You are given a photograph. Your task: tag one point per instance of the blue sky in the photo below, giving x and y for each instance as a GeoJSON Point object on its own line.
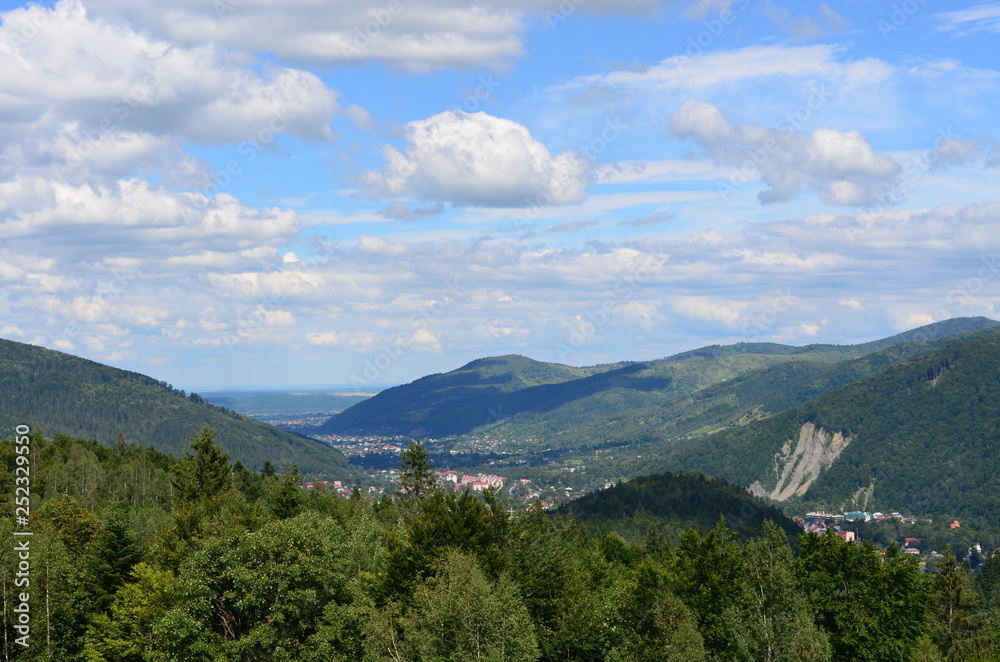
{"type": "Point", "coordinates": [303, 192]}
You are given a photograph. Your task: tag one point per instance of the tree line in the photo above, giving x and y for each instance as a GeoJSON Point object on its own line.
{"type": "Point", "coordinates": [139, 556]}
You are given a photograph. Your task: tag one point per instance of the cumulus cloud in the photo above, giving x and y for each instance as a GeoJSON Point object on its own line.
{"type": "Point", "coordinates": [478, 159]}
{"type": "Point", "coordinates": [706, 308]}
{"type": "Point", "coordinates": [324, 338]}
{"type": "Point", "coordinates": [774, 280]}
{"type": "Point", "coordinates": [134, 214]}
{"type": "Point", "coordinates": [840, 166]}
{"type": "Point", "coordinates": [87, 96]}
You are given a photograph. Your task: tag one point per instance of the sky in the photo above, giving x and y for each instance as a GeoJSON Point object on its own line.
{"type": "Point", "coordinates": [304, 192]}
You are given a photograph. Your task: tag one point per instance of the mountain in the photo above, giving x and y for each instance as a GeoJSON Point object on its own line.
{"type": "Point", "coordinates": [750, 396]}
{"type": "Point", "coordinates": [544, 404]}
{"type": "Point", "coordinates": [456, 402]}
{"type": "Point", "coordinates": [922, 437]}
{"type": "Point", "coordinates": [676, 502]}
{"type": "Point", "coordinates": [61, 393]}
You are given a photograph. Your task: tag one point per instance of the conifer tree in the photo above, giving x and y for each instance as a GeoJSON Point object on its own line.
{"type": "Point", "coordinates": [953, 617]}
{"type": "Point", "coordinates": [204, 474]}
{"type": "Point", "coordinates": [416, 473]}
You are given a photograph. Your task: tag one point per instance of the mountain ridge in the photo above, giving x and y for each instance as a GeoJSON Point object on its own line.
{"type": "Point", "coordinates": [516, 396]}
{"type": "Point", "coordinates": [105, 401]}
{"type": "Point", "coordinates": [923, 435]}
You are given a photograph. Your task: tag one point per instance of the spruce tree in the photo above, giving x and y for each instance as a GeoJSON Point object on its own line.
{"type": "Point", "coordinates": [205, 474]}
{"type": "Point", "coordinates": [954, 620]}
{"type": "Point", "coordinates": [416, 473]}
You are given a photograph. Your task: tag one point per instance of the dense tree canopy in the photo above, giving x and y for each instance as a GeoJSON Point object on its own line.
{"type": "Point", "coordinates": [142, 566]}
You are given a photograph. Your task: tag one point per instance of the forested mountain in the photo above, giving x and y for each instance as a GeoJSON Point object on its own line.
{"type": "Point", "coordinates": [922, 436]}
{"type": "Point", "coordinates": [675, 502]}
{"type": "Point", "coordinates": [61, 393]}
{"type": "Point", "coordinates": [456, 402]}
{"type": "Point", "coordinates": [753, 395]}
{"type": "Point", "coordinates": [692, 392]}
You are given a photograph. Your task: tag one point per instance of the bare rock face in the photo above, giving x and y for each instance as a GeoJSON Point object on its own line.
{"type": "Point", "coordinates": [756, 489]}
{"type": "Point", "coordinates": [796, 469]}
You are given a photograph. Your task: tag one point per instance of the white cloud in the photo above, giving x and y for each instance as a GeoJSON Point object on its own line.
{"type": "Point", "coordinates": [426, 338]}
{"type": "Point", "coordinates": [415, 35]}
{"type": "Point", "coordinates": [133, 211]}
{"type": "Point", "coordinates": [325, 338]}
{"type": "Point", "coordinates": [89, 99]}
{"type": "Point", "coordinates": [840, 166]}
{"type": "Point", "coordinates": [810, 329]}
{"type": "Point", "coordinates": [275, 317]}
{"type": "Point", "coordinates": [478, 159]}
{"type": "Point", "coordinates": [981, 18]}
{"type": "Point", "coordinates": [706, 308]}
{"type": "Point", "coordinates": [705, 69]}
{"type": "Point", "coordinates": [624, 172]}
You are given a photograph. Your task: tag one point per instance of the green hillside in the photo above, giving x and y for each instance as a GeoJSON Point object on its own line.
{"type": "Point", "coordinates": [922, 436]}
{"type": "Point", "coordinates": [456, 402]}
{"type": "Point", "coordinates": [549, 405]}
{"type": "Point", "coordinates": [61, 393]}
{"type": "Point", "coordinates": [750, 396]}
{"type": "Point", "coordinates": [675, 502]}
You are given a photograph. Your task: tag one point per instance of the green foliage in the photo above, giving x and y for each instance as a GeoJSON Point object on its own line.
{"type": "Point", "coordinates": [656, 625]}
{"type": "Point", "coordinates": [126, 633]}
{"type": "Point", "coordinates": [925, 432]}
{"type": "Point", "coordinates": [416, 473]}
{"type": "Point", "coordinates": [955, 624]}
{"type": "Point", "coordinates": [706, 573]}
{"type": "Point", "coordinates": [451, 577]}
{"type": "Point", "coordinates": [771, 621]}
{"type": "Point", "coordinates": [561, 406]}
{"type": "Point", "coordinates": [869, 601]}
{"type": "Point", "coordinates": [203, 475]}
{"type": "Point", "coordinates": [286, 499]}
{"type": "Point", "coordinates": [261, 595]}
{"type": "Point", "coordinates": [676, 502]}
{"type": "Point", "coordinates": [988, 582]}
{"type": "Point", "coordinates": [459, 615]}
{"type": "Point", "coordinates": [107, 403]}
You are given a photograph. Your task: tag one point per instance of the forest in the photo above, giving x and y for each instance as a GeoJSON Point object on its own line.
{"type": "Point", "coordinates": [137, 555]}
